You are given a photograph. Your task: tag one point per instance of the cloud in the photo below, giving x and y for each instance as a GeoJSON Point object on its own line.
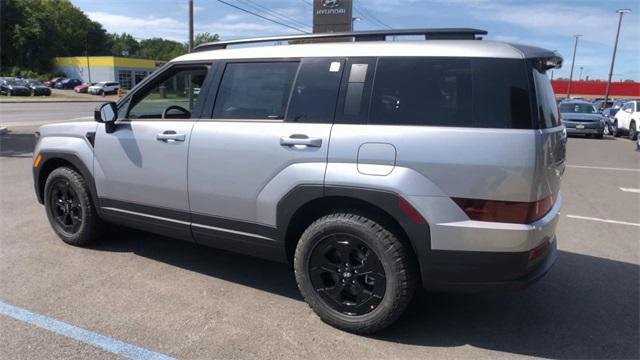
{"type": "Point", "coordinates": [229, 26]}
{"type": "Point", "coordinates": [142, 27]}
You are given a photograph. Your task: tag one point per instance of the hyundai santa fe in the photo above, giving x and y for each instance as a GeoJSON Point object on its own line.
{"type": "Point", "coordinates": [373, 167]}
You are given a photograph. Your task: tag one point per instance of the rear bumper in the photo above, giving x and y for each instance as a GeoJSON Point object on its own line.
{"type": "Point", "coordinates": [493, 271]}
{"type": "Point", "coordinates": [574, 131]}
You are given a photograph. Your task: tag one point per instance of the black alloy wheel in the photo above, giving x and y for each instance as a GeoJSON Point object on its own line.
{"type": "Point", "coordinates": [347, 274]}
{"type": "Point", "coordinates": [633, 131]}
{"type": "Point", "coordinates": [65, 207]}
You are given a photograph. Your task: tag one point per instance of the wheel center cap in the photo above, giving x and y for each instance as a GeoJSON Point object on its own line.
{"type": "Point", "coordinates": [346, 274]}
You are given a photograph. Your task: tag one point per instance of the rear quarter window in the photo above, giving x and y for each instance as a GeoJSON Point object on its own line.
{"type": "Point", "coordinates": [463, 92]}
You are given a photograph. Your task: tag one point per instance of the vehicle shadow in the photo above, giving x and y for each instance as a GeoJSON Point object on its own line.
{"type": "Point", "coordinates": [17, 144]}
{"type": "Point", "coordinates": [586, 307]}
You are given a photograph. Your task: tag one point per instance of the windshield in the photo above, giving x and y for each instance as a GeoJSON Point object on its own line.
{"type": "Point", "coordinates": [577, 108]}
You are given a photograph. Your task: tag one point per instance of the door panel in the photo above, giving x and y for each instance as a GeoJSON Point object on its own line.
{"type": "Point", "coordinates": [230, 163]}
{"type": "Point", "coordinates": [140, 168]}
{"type": "Point", "coordinates": [143, 162]}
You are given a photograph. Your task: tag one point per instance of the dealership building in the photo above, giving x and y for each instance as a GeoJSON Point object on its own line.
{"type": "Point", "coordinates": [90, 69]}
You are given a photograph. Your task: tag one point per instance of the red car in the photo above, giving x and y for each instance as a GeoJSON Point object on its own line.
{"type": "Point", "coordinates": [51, 83]}
{"type": "Point", "coordinates": [82, 88]}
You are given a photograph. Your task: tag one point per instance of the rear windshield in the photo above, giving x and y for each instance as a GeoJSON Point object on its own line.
{"type": "Point", "coordinates": [464, 92]}
{"type": "Point", "coordinates": [577, 108]}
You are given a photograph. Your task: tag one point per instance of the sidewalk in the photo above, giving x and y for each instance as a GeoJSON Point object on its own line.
{"type": "Point", "coordinates": [58, 96]}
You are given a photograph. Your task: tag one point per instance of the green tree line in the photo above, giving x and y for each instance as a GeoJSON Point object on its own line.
{"type": "Point", "coordinates": [33, 32]}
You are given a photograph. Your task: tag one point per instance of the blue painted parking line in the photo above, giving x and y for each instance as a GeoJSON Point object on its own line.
{"type": "Point", "coordinates": [89, 337]}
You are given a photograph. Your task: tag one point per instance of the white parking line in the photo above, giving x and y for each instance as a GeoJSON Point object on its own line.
{"type": "Point", "coordinates": [637, 191]}
{"type": "Point", "coordinates": [603, 220]}
{"type": "Point", "coordinates": [602, 168]}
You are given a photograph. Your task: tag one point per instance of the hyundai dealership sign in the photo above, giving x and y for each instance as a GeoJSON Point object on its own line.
{"type": "Point", "coordinates": [332, 15]}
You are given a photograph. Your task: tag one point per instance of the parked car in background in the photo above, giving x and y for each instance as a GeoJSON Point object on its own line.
{"type": "Point", "coordinates": [51, 83]}
{"type": "Point", "coordinates": [600, 105]}
{"type": "Point", "coordinates": [37, 88]}
{"type": "Point", "coordinates": [104, 87]}
{"type": "Point", "coordinates": [627, 119]}
{"type": "Point", "coordinates": [13, 87]}
{"type": "Point", "coordinates": [581, 118]}
{"type": "Point", "coordinates": [83, 88]}
{"type": "Point", "coordinates": [68, 83]}
{"type": "Point", "coordinates": [609, 114]}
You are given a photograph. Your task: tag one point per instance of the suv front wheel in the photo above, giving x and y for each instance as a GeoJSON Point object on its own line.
{"type": "Point", "coordinates": [70, 209]}
{"type": "Point", "coordinates": [355, 274]}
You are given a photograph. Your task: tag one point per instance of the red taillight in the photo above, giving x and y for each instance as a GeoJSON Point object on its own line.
{"type": "Point", "coordinates": [505, 211]}
{"type": "Point", "coordinates": [410, 211]}
{"type": "Point", "coordinates": [538, 250]}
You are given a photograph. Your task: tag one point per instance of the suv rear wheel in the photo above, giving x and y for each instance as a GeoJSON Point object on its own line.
{"type": "Point", "coordinates": [355, 274]}
{"type": "Point", "coordinates": [70, 209]}
{"type": "Point", "coordinates": [614, 131]}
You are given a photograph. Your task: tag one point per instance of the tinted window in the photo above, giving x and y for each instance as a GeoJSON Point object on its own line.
{"type": "Point", "coordinates": [487, 93]}
{"type": "Point", "coordinates": [547, 106]}
{"type": "Point", "coordinates": [255, 90]}
{"type": "Point", "coordinates": [316, 90]}
{"type": "Point", "coordinates": [353, 102]}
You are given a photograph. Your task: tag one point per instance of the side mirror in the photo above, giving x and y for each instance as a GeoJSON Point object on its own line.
{"type": "Point", "coordinates": [107, 113]}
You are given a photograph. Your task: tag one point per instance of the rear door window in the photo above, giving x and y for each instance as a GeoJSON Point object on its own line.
{"type": "Point", "coordinates": [464, 92]}
{"type": "Point", "coordinates": [315, 92]}
{"type": "Point", "coordinates": [257, 90]}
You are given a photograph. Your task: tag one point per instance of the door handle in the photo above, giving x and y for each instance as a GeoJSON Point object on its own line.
{"type": "Point", "coordinates": [302, 140]}
{"type": "Point", "coordinates": [170, 136]}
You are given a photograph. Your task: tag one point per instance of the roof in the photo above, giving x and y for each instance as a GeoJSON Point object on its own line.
{"type": "Point", "coordinates": [442, 48]}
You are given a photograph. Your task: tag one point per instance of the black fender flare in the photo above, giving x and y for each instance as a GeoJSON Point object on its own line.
{"type": "Point", "coordinates": [75, 161]}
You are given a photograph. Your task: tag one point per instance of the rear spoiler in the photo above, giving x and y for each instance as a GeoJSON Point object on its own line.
{"type": "Point", "coordinates": [549, 62]}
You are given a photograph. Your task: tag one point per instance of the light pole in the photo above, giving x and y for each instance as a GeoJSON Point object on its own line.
{"type": "Point", "coordinates": [190, 25]}
{"type": "Point", "coordinates": [575, 47]}
{"type": "Point", "coordinates": [613, 57]}
{"type": "Point", "coordinates": [580, 76]}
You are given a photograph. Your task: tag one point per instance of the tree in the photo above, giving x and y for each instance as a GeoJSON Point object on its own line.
{"type": "Point", "coordinates": [160, 49]}
{"type": "Point", "coordinates": [36, 31]}
{"type": "Point", "coordinates": [124, 45]}
{"type": "Point", "coordinates": [202, 38]}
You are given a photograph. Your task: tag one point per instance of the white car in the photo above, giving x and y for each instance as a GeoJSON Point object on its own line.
{"type": "Point", "coordinates": [627, 120]}
{"type": "Point", "coordinates": [104, 87]}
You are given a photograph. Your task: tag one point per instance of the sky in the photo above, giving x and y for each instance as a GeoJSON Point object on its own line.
{"type": "Point", "coordinates": [546, 23]}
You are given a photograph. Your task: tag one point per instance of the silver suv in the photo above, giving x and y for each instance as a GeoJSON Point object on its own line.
{"type": "Point", "coordinates": [374, 167]}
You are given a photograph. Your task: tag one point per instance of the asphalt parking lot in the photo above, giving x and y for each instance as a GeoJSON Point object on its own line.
{"type": "Point", "coordinates": [187, 301]}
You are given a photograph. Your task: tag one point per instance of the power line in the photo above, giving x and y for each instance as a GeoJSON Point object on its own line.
{"type": "Point", "coordinates": [273, 13]}
{"type": "Point", "coordinates": [262, 17]}
{"type": "Point", "coordinates": [369, 14]}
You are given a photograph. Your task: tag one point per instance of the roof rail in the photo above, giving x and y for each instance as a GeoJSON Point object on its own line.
{"type": "Point", "coordinates": [374, 35]}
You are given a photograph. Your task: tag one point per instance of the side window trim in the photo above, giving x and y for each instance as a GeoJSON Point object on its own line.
{"type": "Point", "coordinates": [217, 83]}
{"type": "Point", "coordinates": [367, 89]}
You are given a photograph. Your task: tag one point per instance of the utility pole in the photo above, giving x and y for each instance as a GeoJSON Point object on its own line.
{"type": "Point", "coordinates": [190, 25]}
{"type": "Point", "coordinates": [86, 52]}
{"type": "Point", "coordinates": [580, 76]}
{"type": "Point", "coordinates": [613, 57]}
{"type": "Point", "coordinates": [575, 47]}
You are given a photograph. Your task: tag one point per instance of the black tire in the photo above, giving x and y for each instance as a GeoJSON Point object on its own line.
{"type": "Point", "coordinates": [615, 132]}
{"type": "Point", "coordinates": [72, 216]}
{"type": "Point", "coordinates": [599, 136]}
{"type": "Point", "coordinates": [384, 296]}
{"type": "Point", "coordinates": [633, 131]}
